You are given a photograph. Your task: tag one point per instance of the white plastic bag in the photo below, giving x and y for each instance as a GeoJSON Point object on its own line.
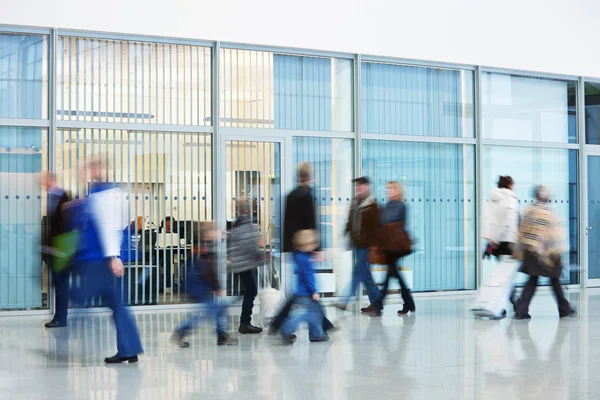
{"type": "Point", "coordinates": [271, 301]}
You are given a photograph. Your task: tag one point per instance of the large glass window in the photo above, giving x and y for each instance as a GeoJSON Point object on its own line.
{"type": "Point", "coordinates": [23, 76]}
{"type": "Point", "coordinates": [167, 181]}
{"type": "Point", "coordinates": [528, 108]}
{"type": "Point", "coordinates": [332, 164]}
{"type": "Point", "coordinates": [439, 191]}
{"type": "Point", "coordinates": [417, 101]}
{"type": "Point", "coordinates": [271, 90]}
{"type": "Point", "coordinates": [592, 113]}
{"type": "Point", "coordinates": [556, 168]}
{"type": "Point", "coordinates": [135, 82]}
{"type": "Point", "coordinates": [22, 157]}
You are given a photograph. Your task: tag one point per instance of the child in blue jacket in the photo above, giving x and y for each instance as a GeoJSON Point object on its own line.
{"type": "Point", "coordinates": [306, 306]}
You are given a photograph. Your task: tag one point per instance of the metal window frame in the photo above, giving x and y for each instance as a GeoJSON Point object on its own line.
{"type": "Point", "coordinates": [220, 133]}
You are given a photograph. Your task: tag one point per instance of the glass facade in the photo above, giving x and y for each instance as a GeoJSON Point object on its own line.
{"type": "Point", "coordinates": [439, 192]}
{"type": "Point", "coordinates": [147, 107]}
{"type": "Point", "coordinates": [528, 108]}
{"type": "Point", "coordinates": [271, 90]}
{"type": "Point", "coordinates": [417, 101]}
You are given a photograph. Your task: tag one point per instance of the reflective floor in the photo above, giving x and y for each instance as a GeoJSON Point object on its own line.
{"type": "Point", "coordinates": [441, 352]}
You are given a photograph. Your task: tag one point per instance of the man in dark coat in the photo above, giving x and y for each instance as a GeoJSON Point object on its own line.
{"type": "Point", "coordinates": [57, 197]}
{"type": "Point", "coordinates": [299, 215]}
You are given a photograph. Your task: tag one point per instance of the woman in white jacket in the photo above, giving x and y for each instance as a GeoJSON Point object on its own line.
{"type": "Point", "coordinates": [501, 219]}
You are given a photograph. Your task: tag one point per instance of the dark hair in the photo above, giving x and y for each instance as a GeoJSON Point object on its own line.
{"type": "Point", "coordinates": [363, 180]}
{"type": "Point", "coordinates": [505, 182]}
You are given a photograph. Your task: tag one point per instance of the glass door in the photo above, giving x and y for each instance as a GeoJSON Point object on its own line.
{"type": "Point", "coordinates": [592, 228]}
{"type": "Point", "coordinates": [252, 174]}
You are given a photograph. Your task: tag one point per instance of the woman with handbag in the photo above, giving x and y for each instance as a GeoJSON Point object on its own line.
{"type": "Point", "coordinates": [395, 242]}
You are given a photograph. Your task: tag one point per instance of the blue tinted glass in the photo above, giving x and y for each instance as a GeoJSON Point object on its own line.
{"type": "Point", "coordinates": [20, 217]}
{"type": "Point", "coordinates": [404, 100]}
{"type": "Point", "coordinates": [23, 76]}
{"type": "Point", "coordinates": [439, 191]}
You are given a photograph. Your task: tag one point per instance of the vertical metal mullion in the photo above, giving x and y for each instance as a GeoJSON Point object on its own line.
{"type": "Point", "coordinates": [114, 76]}
{"type": "Point", "coordinates": [582, 185]}
{"type": "Point", "coordinates": [135, 83]}
{"type": "Point", "coordinates": [92, 79]}
{"type": "Point", "coordinates": [131, 197]}
{"type": "Point", "coordinates": [479, 195]}
{"type": "Point", "coordinates": [357, 116]}
{"type": "Point", "coordinates": [156, 77]}
{"type": "Point", "coordinates": [142, 110]}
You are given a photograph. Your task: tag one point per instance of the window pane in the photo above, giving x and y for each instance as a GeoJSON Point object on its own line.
{"type": "Point", "coordinates": [592, 113]}
{"type": "Point", "coordinates": [526, 108]}
{"type": "Point", "coordinates": [556, 168]}
{"type": "Point", "coordinates": [332, 166]}
{"type": "Point", "coordinates": [136, 82]}
{"type": "Point", "coordinates": [269, 90]}
{"type": "Point", "coordinates": [23, 76]}
{"type": "Point", "coordinates": [405, 100]}
{"type": "Point", "coordinates": [439, 191]}
{"type": "Point", "coordinates": [23, 154]}
{"type": "Point", "coordinates": [167, 181]}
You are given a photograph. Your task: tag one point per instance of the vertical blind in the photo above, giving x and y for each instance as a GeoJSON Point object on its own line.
{"type": "Point", "coordinates": [406, 100]}
{"type": "Point", "coordinates": [133, 82]}
{"type": "Point", "coordinates": [439, 191]}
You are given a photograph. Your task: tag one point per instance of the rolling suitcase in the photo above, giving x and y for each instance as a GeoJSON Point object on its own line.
{"type": "Point", "coordinates": [493, 296]}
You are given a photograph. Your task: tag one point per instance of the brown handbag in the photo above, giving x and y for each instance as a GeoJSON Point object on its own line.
{"type": "Point", "coordinates": [377, 256]}
{"type": "Point", "coordinates": [395, 239]}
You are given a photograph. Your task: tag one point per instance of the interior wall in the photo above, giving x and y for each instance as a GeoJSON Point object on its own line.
{"type": "Point", "coordinates": [538, 35]}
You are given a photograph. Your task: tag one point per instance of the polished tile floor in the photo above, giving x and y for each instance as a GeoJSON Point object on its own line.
{"type": "Point", "coordinates": [441, 352]}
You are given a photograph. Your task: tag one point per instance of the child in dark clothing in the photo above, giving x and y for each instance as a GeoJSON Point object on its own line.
{"type": "Point", "coordinates": [306, 306]}
{"type": "Point", "coordinates": [202, 281]}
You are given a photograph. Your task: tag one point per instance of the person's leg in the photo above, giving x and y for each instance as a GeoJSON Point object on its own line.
{"type": "Point", "coordinates": [364, 271]}
{"type": "Point", "coordinates": [564, 308]}
{"type": "Point", "coordinates": [276, 324]}
{"type": "Point", "coordinates": [314, 318]}
{"type": "Point", "coordinates": [129, 344]}
{"type": "Point", "coordinates": [295, 317]}
{"type": "Point", "coordinates": [354, 282]}
{"type": "Point", "coordinates": [390, 273]}
{"type": "Point", "coordinates": [250, 291]}
{"type": "Point", "coordinates": [61, 292]}
{"type": "Point", "coordinates": [526, 296]}
{"type": "Point", "coordinates": [409, 302]}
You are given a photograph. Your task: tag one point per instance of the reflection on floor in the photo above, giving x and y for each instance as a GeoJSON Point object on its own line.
{"type": "Point", "coordinates": [439, 353]}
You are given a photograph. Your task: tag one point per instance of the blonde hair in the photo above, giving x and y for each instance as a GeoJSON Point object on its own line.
{"type": "Point", "coordinates": [398, 188]}
{"type": "Point", "coordinates": [303, 172]}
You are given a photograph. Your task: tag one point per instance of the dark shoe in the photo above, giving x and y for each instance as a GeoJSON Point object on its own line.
{"type": "Point", "coordinates": [375, 313]}
{"type": "Point", "coordinates": [273, 330]}
{"type": "Point", "coordinates": [502, 316]}
{"type": "Point", "coordinates": [341, 306]}
{"type": "Point", "coordinates": [405, 310]}
{"type": "Point", "coordinates": [369, 309]}
{"type": "Point", "coordinates": [325, 338]}
{"type": "Point", "coordinates": [226, 340]}
{"type": "Point", "coordinates": [248, 328]}
{"type": "Point", "coordinates": [571, 313]}
{"type": "Point", "coordinates": [55, 324]}
{"type": "Point", "coordinates": [177, 338]}
{"type": "Point", "coordinates": [289, 339]}
{"type": "Point", "coordinates": [523, 317]}
{"type": "Point", "coordinates": [117, 359]}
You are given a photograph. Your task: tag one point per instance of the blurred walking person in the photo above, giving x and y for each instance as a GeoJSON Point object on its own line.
{"type": "Point", "coordinates": [97, 261]}
{"type": "Point", "coordinates": [299, 216]}
{"type": "Point", "coordinates": [541, 243]}
{"type": "Point", "coordinates": [362, 227]}
{"type": "Point", "coordinates": [500, 230]}
{"type": "Point", "coordinates": [244, 258]}
{"type": "Point", "coordinates": [57, 198]}
{"type": "Point", "coordinates": [392, 239]}
{"type": "Point", "coordinates": [201, 282]}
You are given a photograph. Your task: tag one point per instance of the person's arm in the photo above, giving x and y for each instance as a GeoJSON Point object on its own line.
{"type": "Point", "coordinates": [510, 217]}
{"type": "Point", "coordinates": [212, 277]}
{"type": "Point", "coordinates": [311, 217]}
{"type": "Point", "coordinates": [108, 221]}
{"type": "Point", "coordinates": [307, 275]}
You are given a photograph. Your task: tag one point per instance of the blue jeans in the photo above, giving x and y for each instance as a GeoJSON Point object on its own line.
{"type": "Point", "coordinates": [304, 309]}
{"type": "Point", "coordinates": [97, 279]}
{"type": "Point", "coordinates": [361, 273]}
{"type": "Point", "coordinates": [202, 293]}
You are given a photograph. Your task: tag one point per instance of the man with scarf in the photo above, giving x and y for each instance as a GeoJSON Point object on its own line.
{"type": "Point", "coordinates": [363, 223]}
